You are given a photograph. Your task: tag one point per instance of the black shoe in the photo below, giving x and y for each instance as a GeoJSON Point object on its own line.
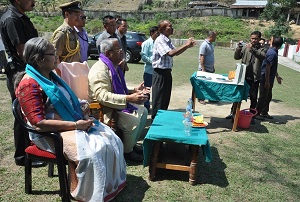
{"type": "Point", "coordinates": [230, 116]}
{"type": "Point", "coordinates": [259, 117]}
{"type": "Point", "coordinates": [252, 121]}
{"type": "Point", "coordinates": [138, 149]}
{"type": "Point", "coordinates": [267, 116]}
{"type": "Point", "coordinates": [133, 156]}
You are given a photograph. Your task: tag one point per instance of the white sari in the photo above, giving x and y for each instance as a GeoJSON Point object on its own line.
{"type": "Point", "coordinates": [96, 161]}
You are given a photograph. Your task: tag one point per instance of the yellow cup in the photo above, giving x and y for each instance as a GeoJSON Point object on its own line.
{"type": "Point", "coordinates": [231, 75]}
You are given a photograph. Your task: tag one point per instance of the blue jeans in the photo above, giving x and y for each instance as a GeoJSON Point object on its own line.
{"type": "Point", "coordinates": [147, 83]}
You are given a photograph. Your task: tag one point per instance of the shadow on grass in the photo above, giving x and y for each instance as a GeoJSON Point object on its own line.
{"type": "Point", "coordinates": [225, 125]}
{"type": "Point", "coordinates": [215, 103]}
{"type": "Point", "coordinates": [134, 190]}
{"type": "Point", "coordinates": [214, 172]}
{"type": "Point", "coordinates": [276, 101]}
{"type": "Point", "coordinates": [281, 119]}
{"type": "Point", "coordinates": [207, 173]}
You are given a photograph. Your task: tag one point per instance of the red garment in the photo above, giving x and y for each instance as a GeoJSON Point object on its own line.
{"type": "Point", "coordinates": [298, 46]}
{"type": "Point", "coordinates": [31, 98]}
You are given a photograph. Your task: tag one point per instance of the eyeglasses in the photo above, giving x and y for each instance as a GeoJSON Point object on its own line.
{"type": "Point", "coordinates": [117, 50]}
{"type": "Point", "coordinates": [83, 17]}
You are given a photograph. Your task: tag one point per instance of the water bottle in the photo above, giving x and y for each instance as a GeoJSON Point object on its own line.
{"type": "Point", "coordinates": [188, 119]}
{"type": "Point", "coordinates": [189, 105]}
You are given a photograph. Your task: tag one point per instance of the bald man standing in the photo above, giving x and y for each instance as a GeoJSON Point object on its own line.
{"type": "Point", "coordinates": [162, 63]}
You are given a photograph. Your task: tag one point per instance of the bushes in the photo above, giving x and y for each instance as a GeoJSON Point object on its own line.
{"type": "Point", "coordinates": [227, 28]}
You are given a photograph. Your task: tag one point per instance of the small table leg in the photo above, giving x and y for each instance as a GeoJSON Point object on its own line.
{"type": "Point", "coordinates": [193, 165]}
{"type": "Point", "coordinates": [236, 117]}
{"type": "Point", "coordinates": [193, 98]}
{"type": "Point", "coordinates": [153, 160]}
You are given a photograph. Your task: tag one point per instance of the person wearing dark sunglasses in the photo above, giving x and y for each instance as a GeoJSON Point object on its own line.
{"type": "Point", "coordinates": [83, 37]}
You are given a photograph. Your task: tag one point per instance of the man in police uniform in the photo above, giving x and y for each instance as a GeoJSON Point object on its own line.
{"type": "Point", "coordinates": [64, 38]}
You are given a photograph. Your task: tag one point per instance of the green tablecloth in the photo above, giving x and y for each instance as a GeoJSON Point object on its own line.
{"type": "Point", "coordinates": [168, 126]}
{"type": "Point", "coordinates": [209, 90]}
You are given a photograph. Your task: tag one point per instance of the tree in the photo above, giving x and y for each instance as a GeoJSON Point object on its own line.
{"type": "Point", "coordinates": [283, 6]}
{"type": "Point", "coordinates": [287, 6]}
{"type": "Point", "coordinates": [279, 12]}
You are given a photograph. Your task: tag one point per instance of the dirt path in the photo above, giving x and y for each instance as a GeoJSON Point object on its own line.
{"type": "Point", "coordinates": [215, 113]}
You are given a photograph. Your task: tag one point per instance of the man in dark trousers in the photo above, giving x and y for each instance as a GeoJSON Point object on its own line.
{"type": "Point", "coordinates": [252, 55]}
{"type": "Point", "coordinates": [268, 73]}
{"type": "Point", "coordinates": [162, 63]}
{"type": "Point", "coordinates": [16, 30]}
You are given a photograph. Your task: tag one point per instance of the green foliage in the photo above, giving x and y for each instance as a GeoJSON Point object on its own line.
{"type": "Point", "coordinates": [157, 3]}
{"type": "Point", "coordinates": [286, 5]}
{"type": "Point", "coordinates": [161, 16]}
{"type": "Point", "coordinates": [94, 26]}
{"type": "Point", "coordinates": [271, 12]}
{"type": "Point", "coordinates": [280, 27]}
{"type": "Point", "coordinates": [160, 4]}
{"type": "Point", "coordinates": [46, 24]}
{"type": "Point", "coordinates": [227, 28]}
{"type": "Point", "coordinates": [277, 10]}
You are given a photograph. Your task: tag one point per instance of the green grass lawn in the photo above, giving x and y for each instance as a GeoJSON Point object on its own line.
{"type": "Point", "coordinates": [247, 166]}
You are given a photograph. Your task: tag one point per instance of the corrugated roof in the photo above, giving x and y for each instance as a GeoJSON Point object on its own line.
{"type": "Point", "coordinates": [250, 3]}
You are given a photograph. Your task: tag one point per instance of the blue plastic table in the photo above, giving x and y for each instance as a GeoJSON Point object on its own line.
{"type": "Point", "coordinates": [168, 127]}
{"type": "Point", "coordinates": [209, 90]}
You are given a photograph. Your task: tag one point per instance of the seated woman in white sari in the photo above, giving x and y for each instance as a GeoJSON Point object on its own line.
{"type": "Point", "coordinates": [94, 151]}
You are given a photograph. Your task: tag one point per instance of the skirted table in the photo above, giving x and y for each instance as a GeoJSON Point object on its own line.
{"type": "Point", "coordinates": [168, 127]}
{"type": "Point", "coordinates": [216, 91]}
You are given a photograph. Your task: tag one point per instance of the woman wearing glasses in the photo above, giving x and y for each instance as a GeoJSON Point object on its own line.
{"type": "Point", "coordinates": [94, 152]}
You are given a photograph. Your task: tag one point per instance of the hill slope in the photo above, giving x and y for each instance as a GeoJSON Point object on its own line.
{"type": "Point", "coordinates": [115, 5]}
